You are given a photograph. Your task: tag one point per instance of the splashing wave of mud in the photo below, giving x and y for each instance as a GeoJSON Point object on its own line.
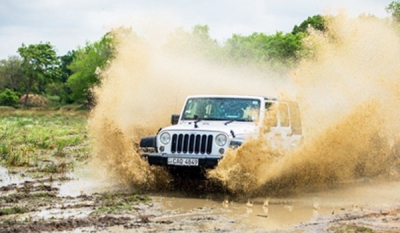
{"type": "Point", "coordinates": [350, 101]}
{"type": "Point", "coordinates": [348, 93]}
{"type": "Point", "coordinates": [140, 90]}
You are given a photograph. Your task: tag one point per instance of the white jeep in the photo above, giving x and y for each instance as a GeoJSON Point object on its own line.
{"type": "Point", "coordinates": [210, 124]}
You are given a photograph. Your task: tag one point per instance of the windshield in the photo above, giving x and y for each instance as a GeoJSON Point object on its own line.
{"type": "Point", "coordinates": [238, 109]}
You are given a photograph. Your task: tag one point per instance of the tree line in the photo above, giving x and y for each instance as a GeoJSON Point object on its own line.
{"type": "Point", "coordinates": [69, 78]}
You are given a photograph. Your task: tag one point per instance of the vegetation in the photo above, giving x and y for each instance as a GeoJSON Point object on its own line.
{"type": "Point", "coordinates": [112, 203]}
{"type": "Point", "coordinates": [8, 97]}
{"type": "Point", "coordinates": [317, 22]}
{"type": "Point", "coordinates": [394, 9]}
{"type": "Point", "coordinates": [278, 51]}
{"type": "Point", "coordinates": [11, 74]}
{"type": "Point", "coordinates": [46, 141]}
{"type": "Point", "coordinates": [40, 66]}
{"type": "Point", "coordinates": [86, 68]}
{"type": "Point", "coordinates": [13, 210]}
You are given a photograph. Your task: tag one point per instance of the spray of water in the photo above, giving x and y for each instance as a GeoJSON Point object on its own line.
{"type": "Point", "coordinates": [347, 92]}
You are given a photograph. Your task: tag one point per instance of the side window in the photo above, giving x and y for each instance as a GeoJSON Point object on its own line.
{"type": "Point", "coordinates": [271, 114]}
{"type": "Point", "coordinates": [284, 115]}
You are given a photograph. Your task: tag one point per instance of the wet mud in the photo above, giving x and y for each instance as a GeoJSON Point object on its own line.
{"type": "Point", "coordinates": [69, 204]}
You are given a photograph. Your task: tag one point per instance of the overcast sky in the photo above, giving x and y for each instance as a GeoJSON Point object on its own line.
{"type": "Point", "coordinates": [67, 24]}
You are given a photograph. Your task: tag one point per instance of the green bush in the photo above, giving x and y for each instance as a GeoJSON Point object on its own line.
{"type": "Point", "coordinates": [9, 97]}
{"type": "Point", "coordinates": [53, 101]}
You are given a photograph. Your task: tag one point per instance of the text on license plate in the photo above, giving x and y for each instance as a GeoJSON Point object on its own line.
{"type": "Point", "coordinates": [183, 162]}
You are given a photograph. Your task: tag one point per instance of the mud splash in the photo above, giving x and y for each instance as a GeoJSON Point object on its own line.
{"type": "Point", "coordinates": [349, 96]}
{"type": "Point", "coordinates": [140, 90]}
{"type": "Point", "coordinates": [347, 90]}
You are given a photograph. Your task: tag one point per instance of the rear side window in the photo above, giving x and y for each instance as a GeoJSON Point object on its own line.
{"type": "Point", "coordinates": [271, 114]}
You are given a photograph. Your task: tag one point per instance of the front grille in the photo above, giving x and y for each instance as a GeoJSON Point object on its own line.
{"type": "Point", "coordinates": [191, 143]}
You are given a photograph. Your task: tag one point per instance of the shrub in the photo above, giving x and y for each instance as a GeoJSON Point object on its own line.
{"type": "Point", "coordinates": [8, 97]}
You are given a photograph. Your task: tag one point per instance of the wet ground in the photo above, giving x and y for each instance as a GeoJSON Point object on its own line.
{"type": "Point", "coordinates": [70, 204]}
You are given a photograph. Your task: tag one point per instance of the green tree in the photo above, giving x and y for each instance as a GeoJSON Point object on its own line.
{"type": "Point", "coordinates": [11, 75]}
{"type": "Point", "coordinates": [86, 67]}
{"type": "Point", "coordinates": [8, 97]}
{"type": "Point", "coordinates": [394, 9]}
{"type": "Point", "coordinates": [40, 65]}
{"type": "Point", "coordinates": [65, 61]}
{"type": "Point", "coordinates": [317, 22]}
{"type": "Point", "coordinates": [196, 43]}
{"type": "Point", "coordinates": [61, 88]}
{"type": "Point", "coordinates": [278, 52]}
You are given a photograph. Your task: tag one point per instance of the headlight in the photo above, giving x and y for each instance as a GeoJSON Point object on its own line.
{"type": "Point", "coordinates": [165, 138]}
{"type": "Point", "coordinates": [221, 139]}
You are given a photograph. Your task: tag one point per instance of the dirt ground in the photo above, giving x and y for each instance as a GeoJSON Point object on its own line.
{"type": "Point", "coordinates": [68, 203]}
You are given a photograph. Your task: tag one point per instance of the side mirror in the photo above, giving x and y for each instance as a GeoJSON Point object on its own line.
{"type": "Point", "coordinates": [175, 119]}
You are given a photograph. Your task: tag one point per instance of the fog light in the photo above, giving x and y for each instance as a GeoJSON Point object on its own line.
{"type": "Point", "coordinates": [221, 151]}
{"type": "Point", "coordinates": [162, 148]}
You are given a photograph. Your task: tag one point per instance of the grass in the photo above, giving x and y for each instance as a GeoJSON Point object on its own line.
{"type": "Point", "coordinates": [23, 196]}
{"type": "Point", "coordinates": [13, 210]}
{"type": "Point", "coordinates": [32, 138]}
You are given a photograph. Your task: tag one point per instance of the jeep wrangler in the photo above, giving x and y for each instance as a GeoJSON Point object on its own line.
{"type": "Point", "coordinates": [210, 124]}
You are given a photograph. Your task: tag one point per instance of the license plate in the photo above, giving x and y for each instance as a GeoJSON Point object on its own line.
{"type": "Point", "coordinates": [183, 162]}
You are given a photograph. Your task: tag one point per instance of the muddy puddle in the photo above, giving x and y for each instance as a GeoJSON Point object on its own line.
{"type": "Point", "coordinates": [185, 211]}
{"type": "Point", "coordinates": [277, 214]}
{"type": "Point", "coordinates": [287, 213]}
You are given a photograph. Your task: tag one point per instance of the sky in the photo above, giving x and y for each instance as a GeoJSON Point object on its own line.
{"type": "Point", "coordinates": [69, 24]}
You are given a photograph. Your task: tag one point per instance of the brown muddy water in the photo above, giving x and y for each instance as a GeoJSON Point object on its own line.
{"type": "Point", "coordinates": [214, 212]}
{"type": "Point", "coordinates": [70, 205]}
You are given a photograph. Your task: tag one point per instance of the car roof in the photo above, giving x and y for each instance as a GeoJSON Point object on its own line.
{"type": "Point", "coordinates": [231, 96]}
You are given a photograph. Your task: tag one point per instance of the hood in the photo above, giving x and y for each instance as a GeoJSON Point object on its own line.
{"type": "Point", "coordinates": [240, 129]}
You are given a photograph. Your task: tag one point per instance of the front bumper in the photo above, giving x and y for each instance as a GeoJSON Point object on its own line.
{"type": "Point", "coordinates": [159, 159]}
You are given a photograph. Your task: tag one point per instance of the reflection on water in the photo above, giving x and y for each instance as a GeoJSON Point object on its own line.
{"type": "Point", "coordinates": [86, 181]}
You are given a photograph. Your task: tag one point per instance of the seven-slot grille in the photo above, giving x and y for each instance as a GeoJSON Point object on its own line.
{"type": "Point", "coordinates": [191, 143]}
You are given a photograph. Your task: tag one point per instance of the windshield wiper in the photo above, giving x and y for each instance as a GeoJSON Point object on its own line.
{"type": "Point", "coordinates": [228, 122]}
